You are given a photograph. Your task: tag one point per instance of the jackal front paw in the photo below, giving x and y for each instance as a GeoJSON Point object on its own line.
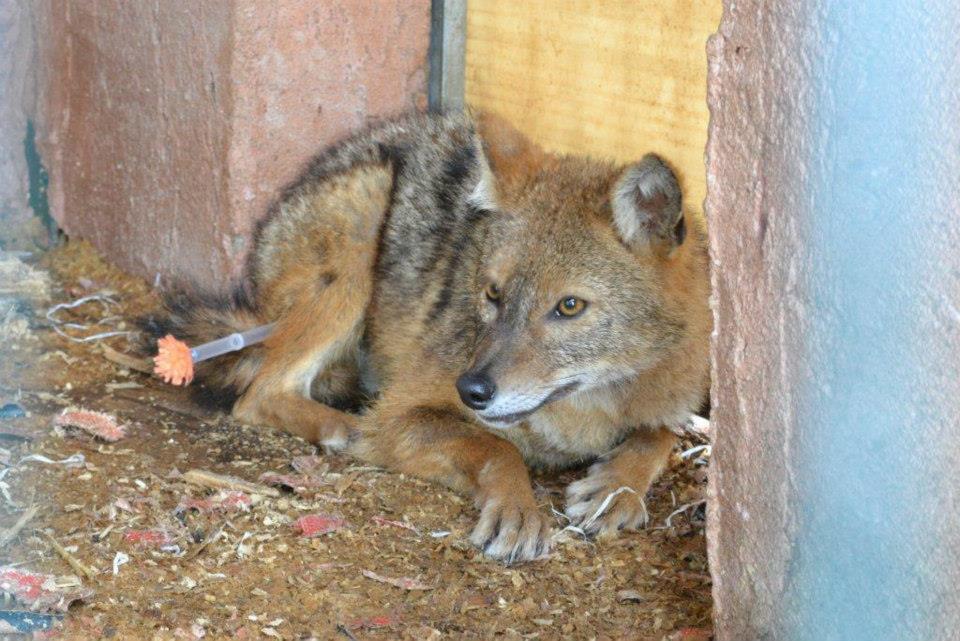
{"type": "Point", "coordinates": [602, 503]}
{"type": "Point", "coordinates": [511, 532]}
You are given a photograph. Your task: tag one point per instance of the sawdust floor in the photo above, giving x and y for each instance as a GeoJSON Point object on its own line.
{"type": "Point", "coordinates": [249, 573]}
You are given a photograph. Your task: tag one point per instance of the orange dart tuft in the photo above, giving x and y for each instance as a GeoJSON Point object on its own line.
{"type": "Point", "coordinates": [173, 362]}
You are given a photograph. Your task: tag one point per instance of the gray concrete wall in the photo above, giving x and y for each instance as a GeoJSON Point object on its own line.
{"type": "Point", "coordinates": [834, 208]}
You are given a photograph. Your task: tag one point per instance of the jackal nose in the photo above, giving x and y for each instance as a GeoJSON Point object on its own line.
{"type": "Point", "coordinates": [476, 390]}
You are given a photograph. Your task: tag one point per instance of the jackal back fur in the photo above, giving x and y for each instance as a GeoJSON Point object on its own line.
{"type": "Point", "coordinates": [493, 307]}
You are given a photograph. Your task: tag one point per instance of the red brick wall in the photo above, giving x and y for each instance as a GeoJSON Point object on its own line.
{"type": "Point", "coordinates": [168, 128]}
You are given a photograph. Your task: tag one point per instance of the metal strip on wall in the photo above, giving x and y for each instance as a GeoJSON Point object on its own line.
{"type": "Point", "coordinates": [448, 39]}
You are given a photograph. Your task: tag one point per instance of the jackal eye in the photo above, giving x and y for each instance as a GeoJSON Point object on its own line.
{"type": "Point", "coordinates": [492, 292]}
{"type": "Point", "coordinates": [570, 306]}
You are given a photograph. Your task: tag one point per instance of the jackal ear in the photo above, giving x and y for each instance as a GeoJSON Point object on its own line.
{"type": "Point", "coordinates": [647, 204]}
{"type": "Point", "coordinates": [484, 192]}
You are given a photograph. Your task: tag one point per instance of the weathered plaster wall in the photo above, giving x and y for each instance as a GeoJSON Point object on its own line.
{"type": "Point", "coordinates": [834, 208]}
{"type": "Point", "coordinates": [136, 129]}
{"type": "Point", "coordinates": [169, 127]}
{"type": "Point", "coordinates": [19, 227]}
{"type": "Point", "coordinates": [306, 73]}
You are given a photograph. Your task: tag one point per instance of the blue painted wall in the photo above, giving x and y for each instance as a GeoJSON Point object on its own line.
{"type": "Point", "coordinates": [859, 238]}
{"type": "Point", "coordinates": [880, 84]}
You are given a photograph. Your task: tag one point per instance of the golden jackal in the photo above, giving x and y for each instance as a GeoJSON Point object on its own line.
{"type": "Point", "coordinates": [497, 306]}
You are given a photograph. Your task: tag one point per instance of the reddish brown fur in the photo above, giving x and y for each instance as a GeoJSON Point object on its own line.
{"type": "Point", "coordinates": [350, 294]}
{"type": "Point", "coordinates": [454, 451]}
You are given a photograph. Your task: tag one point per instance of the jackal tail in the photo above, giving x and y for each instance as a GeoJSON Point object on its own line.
{"type": "Point", "coordinates": [196, 317]}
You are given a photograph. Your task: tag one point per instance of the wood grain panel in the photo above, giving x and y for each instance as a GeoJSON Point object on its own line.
{"type": "Point", "coordinates": [609, 78]}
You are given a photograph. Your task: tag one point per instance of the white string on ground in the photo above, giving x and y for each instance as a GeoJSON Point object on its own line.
{"type": "Point", "coordinates": [94, 337]}
{"type": "Point", "coordinates": [557, 513]}
{"type": "Point", "coordinates": [59, 325]}
{"type": "Point", "coordinates": [585, 525]}
{"type": "Point", "coordinates": [101, 298]}
{"type": "Point", "coordinates": [683, 508]}
{"type": "Point", "coordinates": [706, 449]}
{"type": "Point", "coordinates": [119, 559]}
{"type": "Point", "coordinates": [74, 459]}
{"type": "Point", "coordinates": [5, 491]}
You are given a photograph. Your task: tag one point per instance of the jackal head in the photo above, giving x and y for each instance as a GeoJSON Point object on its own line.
{"type": "Point", "coordinates": [572, 293]}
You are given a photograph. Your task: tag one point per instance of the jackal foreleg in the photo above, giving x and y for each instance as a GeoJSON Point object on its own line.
{"type": "Point", "coordinates": [624, 476]}
{"type": "Point", "coordinates": [439, 445]}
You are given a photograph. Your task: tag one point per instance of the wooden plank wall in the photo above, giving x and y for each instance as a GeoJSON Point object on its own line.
{"type": "Point", "coordinates": [608, 78]}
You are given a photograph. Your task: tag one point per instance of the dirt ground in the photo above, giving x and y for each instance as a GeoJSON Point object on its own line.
{"type": "Point", "coordinates": [157, 556]}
